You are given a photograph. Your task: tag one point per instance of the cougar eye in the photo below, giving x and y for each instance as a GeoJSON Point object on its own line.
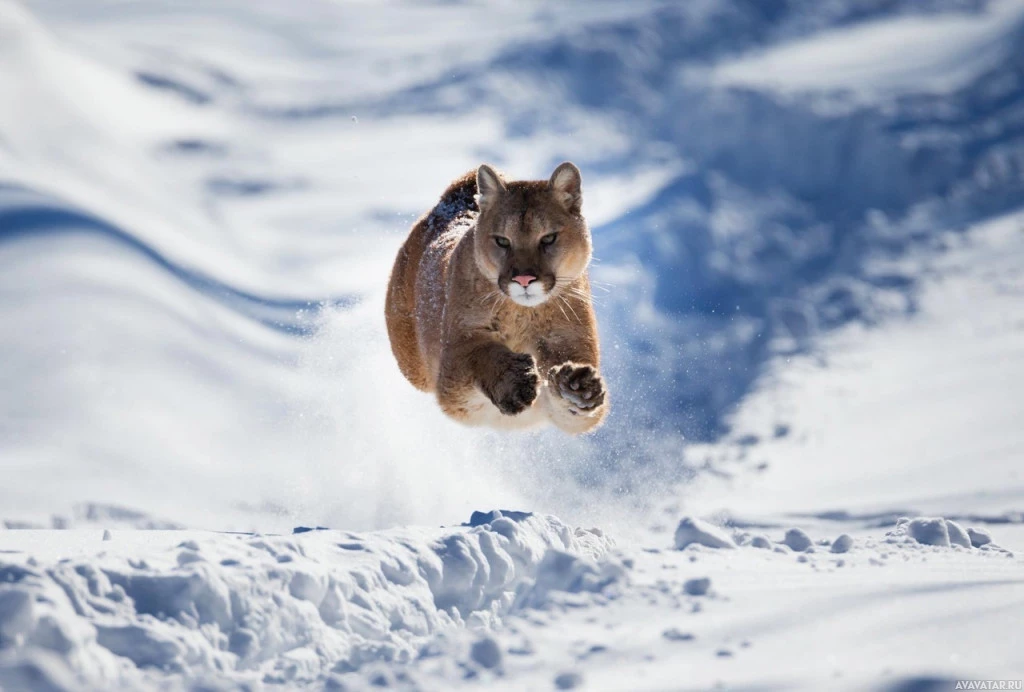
{"type": "Point", "coordinates": [502, 241]}
{"type": "Point", "coordinates": [548, 239]}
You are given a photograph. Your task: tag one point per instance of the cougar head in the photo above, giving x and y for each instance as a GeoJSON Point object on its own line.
{"type": "Point", "coordinates": [531, 237]}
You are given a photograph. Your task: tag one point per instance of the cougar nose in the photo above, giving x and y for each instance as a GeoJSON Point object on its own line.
{"type": "Point", "coordinates": [524, 280]}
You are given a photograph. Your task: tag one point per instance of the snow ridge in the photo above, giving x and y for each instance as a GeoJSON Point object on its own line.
{"type": "Point", "coordinates": [260, 608]}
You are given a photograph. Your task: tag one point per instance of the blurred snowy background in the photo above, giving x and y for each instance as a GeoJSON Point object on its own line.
{"type": "Point", "coordinates": [200, 202]}
{"type": "Point", "coordinates": [808, 222]}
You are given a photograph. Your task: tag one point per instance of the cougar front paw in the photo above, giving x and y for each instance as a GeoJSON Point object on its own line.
{"type": "Point", "coordinates": [516, 385]}
{"type": "Point", "coordinates": [579, 385]}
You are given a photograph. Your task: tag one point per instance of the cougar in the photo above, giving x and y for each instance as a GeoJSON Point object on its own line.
{"type": "Point", "coordinates": [489, 306]}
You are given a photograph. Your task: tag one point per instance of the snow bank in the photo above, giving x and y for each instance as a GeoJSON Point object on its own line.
{"type": "Point", "coordinates": [276, 609]}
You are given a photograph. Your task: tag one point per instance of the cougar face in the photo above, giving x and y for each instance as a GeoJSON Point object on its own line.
{"type": "Point", "coordinates": [530, 237]}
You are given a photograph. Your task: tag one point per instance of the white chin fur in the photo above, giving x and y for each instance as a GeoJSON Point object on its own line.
{"type": "Point", "coordinates": [530, 296]}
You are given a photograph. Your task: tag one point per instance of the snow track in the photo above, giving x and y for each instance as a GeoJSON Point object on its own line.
{"type": "Point", "coordinates": [135, 608]}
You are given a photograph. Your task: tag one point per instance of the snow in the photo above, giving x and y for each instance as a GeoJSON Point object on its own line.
{"type": "Point", "coordinates": [979, 537]}
{"type": "Point", "coordinates": [957, 535]}
{"type": "Point", "coordinates": [697, 532]}
{"type": "Point", "coordinates": [842, 543]}
{"type": "Point", "coordinates": [858, 621]}
{"type": "Point", "coordinates": [878, 59]}
{"type": "Point", "coordinates": [922, 404]}
{"type": "Point", "coordinates": [808, 254]}
{"type": "Point", "coordinates": [797, 540]}
{"type": "Point", "coordinates": [274, 608]}
{"type": "Point", "coordinates": [697, 587]}
{"type": "Point", "coordinates": [486, 652]}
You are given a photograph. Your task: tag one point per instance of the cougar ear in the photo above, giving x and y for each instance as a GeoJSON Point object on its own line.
{"type": "Point", "coordinates": [489, 186]}
{"type": "Point", "coordinates": [566, 186]}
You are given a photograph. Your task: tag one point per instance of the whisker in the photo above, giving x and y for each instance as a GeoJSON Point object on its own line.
{"type": "Point", "coordinates": [569, 305]}
{"type": "Point", "coordinates": [496, 305]}
{"type": "Point", "coordinates": [494, 296]}
{"type": "Point", "coordinates": [594, 284]}
{"type": "Point", "coordinates": [581, 295]}
{"type": "Point", "coordinates": [563, 311]}
{"type": "Point", "coordinates": [567, 285]}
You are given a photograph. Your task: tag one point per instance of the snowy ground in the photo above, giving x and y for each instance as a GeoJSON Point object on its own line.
{"type": "Point", "coordinates": [807, 225]}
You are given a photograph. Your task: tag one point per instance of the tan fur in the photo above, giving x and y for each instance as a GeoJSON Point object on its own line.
{"type": "Point", "coordinates": [454, 327]}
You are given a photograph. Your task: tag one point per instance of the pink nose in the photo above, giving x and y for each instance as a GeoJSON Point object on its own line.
{"type": "Point", "coordinates": [524, 280]}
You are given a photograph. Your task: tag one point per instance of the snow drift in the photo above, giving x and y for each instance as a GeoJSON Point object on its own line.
{"type": "Point", "coordinates": [261, 608]}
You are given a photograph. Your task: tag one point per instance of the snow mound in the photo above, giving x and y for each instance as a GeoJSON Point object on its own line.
{"type": "Point", "coordinates": [39, 671]}
{"type": "Point", "coordinates": [698, 532]}
{"type": "Point", "coordinates": [273, 609]}
{"type": "Point", "coordinates": [940, 532]}
{"type": "Point", "coordinates": [567, 579]}
{"type": "Point", "coordinates": [486, 652]}
{"type": "Point", "coordinates": [979, 537]}
{"type": "Point", "coordinates": [697, 587]}
{"type": "Point", "coordinates": [842, 544]}
{"type": "Point", "coordinates": [797, 540]}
